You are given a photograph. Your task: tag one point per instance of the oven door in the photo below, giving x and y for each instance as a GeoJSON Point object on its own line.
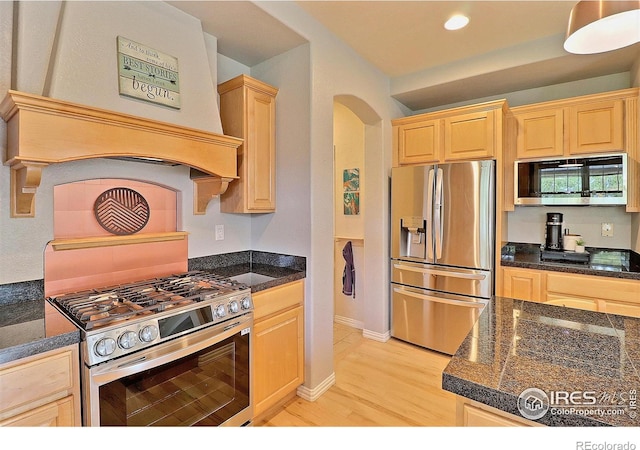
{"type": "Point", "coordinates": [202, 378]}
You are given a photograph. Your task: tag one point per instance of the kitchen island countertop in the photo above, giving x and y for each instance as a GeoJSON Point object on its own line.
{"type": "Point", "coordinates": [516, 345]}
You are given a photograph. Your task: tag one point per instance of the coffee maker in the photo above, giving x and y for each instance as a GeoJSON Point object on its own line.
{"type": "Point", "coordinates": [553, 232]}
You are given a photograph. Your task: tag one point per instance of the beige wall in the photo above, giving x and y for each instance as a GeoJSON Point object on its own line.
{"type": "Point", "coordinates": [349, 153]}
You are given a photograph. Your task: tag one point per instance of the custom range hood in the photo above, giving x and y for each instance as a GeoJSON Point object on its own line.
{"type": "Point", "coordinates": [43, 131]}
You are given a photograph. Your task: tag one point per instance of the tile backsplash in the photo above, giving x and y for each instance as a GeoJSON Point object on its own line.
{"type": "Point", "coordinates": [82, 268]}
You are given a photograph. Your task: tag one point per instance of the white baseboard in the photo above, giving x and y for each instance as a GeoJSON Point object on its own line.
{"type": "Point", "coordinates": [349, 322]}
{"type": "Point", "coordinates": [312, 395]}
{"type": "Point", "coordinates": [380, 337]}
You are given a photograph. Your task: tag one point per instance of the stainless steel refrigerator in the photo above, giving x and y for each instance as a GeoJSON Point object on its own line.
{"type": "Point", "coordinates": [442, 251]}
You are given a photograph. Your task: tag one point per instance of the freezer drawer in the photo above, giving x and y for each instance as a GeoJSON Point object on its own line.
{"type": "Point", "coordinates": [472, 282]}
{"type": "Point", "coordinates": [433, 320]}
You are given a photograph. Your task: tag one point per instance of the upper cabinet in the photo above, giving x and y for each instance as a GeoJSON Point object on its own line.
{"type": "Point", "coordinates": [540, 133]}
{"type": "Point", "coordinates": [247, 111]}
{"type": "Point", "coordinates": [575, 126]}
{"type": "Point", "coordinates": [466, 133]}
{"type": "Point", "coordinates": [596, 127]}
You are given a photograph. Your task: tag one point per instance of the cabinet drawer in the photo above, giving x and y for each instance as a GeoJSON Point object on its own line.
{"type": "Point", "coordinates": [476, 417]}
{"type": "Point", "coordinates": [37, 380]}
{"type": "Point", "coordinates": [599, 288]}
{"type": "Point", "coordinates": [277, 299]}
{"type": "Point", "coordinates": [55, 414]}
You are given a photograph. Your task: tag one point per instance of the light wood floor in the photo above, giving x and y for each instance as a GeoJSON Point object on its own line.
{"type": "Point", "coordinates": [377, 384]}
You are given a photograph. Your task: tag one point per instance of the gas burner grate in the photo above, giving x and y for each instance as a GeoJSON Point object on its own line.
{"type": "Point", "coordinates": [96, 308]}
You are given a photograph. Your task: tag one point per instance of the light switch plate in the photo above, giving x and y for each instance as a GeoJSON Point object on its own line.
{"type": "Point", "coordinates": [219, 232]}
{"type": "Point", "coordinates": [607, 229]}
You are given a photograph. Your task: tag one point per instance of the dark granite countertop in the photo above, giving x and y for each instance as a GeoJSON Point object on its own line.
{"type": "Point", "coordinates": [518, 345]}
{"type": "Point", "coordinates": [614, 263]}
{"type": "Point", "coordinates": [281, 268]}
{"type": "Point", "coordinates": [30, 325]}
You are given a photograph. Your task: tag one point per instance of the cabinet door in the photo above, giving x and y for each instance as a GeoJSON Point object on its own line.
{"type": "Point", "coordinates": [569, 301]}
{"type": "Point", "coordinates": [476, 417]}
{"type": "Point", "coordinates": [621, 308]}
{"type": "Point", "coordinates": [278, 356]}
{"type": "Point", "coordinates": [469, 136]}
{"type": "Point", "coordinates": [522, 284]}
{"type": "Point", "coordinates": [540, 133]}
{"type": "Point", "coordinates": [419, 142]}
{"type": "Point", "coordinates": [261, 148]}
{"type": "Point", "coordinates": [56, 414]}
{"type": "Point", "coordinates": [596, 127]}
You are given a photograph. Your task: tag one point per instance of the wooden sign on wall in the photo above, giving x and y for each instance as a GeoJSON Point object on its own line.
{"type": "Point", "coordinates": [147, 74]}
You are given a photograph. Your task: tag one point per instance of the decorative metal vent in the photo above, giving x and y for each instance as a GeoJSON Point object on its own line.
{"type": "Point", "coordinates": [121, 211]}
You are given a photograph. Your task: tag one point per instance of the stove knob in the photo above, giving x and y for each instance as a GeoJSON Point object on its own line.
{"type": "Point", "coordinates": [233, 307]}
{"type": "Point", "coordinates": [148, 333]}
{"type": "Point", "coordinates": [127, 339]}
{"type": "Point", "coordinates": [105, 347]}
{"type": "Point", "coordinates": [219, 311]}
{"type": "Point", "coordinates": [245, 303]}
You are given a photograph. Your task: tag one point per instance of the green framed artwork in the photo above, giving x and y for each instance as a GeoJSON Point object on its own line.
{"type": "Point", "coordinates": [351, 187]}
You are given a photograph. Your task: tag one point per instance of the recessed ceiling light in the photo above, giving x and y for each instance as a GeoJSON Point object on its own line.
{"type": "Point", "coordinates": [456, 22]}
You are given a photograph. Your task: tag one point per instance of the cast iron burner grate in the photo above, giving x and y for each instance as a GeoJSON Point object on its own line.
{"type": "Point", "coordinates": [95, 308]}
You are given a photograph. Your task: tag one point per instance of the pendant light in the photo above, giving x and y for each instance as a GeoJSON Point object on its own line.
{"type": "Point", "coordinates": [602, 25]}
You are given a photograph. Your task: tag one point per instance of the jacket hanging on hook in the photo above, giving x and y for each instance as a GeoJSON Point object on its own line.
{"type": "Point", "coordinates": [349, 273]}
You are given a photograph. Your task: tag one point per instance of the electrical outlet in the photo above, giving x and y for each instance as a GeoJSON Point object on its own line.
{"type": "Point", "coordinates": [607, 229]}
{"type": "Point", "coordinates": [219, 232]}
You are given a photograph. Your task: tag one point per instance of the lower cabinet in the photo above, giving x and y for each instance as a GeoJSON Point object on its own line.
{"type": "Point", "coordinates": [522, 284]}
{"type": "Point", "coordinates": [41, 390]}
{"type": "Point", "coordinates": [593, 293]}
{"type": "Point", "coordinates": [473, 414]}
{"type": "Point", "coordinates": [278, 346]}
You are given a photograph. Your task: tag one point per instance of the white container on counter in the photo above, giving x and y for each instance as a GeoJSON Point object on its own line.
{"type": "Point", "coordinates": [569, 241]}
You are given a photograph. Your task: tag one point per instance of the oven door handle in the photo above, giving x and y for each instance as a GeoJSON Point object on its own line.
{"type": "Point", "coordinates": [169, 351]}
{"type": "Point", "coordinates": [133, 362]}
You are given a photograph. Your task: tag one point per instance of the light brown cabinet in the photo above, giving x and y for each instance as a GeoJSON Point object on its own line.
{"type": "Point", "coordinates": [247, 111]}
{"type": "Point", "coordinates": [596, 127]}
{"type": "Point", "coordinates": [470, 413]}
{"type": "Point", "coordinates": [419, 142]}
{"type": "Point", "coordinates": [41, 390]}
{"type": "Point", "coordinates": [578, 126]}
{"type": "Point", "coordinates": [278, 345]}
{"type": "Point", "coordinates": [540, 133]}
{"type": "Point", "coordinates": [522, 284]}
{"type": "Point", "coordinates": [589, 292]}
{"type": "Point", "coordinates": [466, 133]}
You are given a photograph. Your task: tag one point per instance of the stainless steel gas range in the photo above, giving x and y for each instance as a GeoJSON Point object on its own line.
{"type": "Point", "coordinates": [169, 351]}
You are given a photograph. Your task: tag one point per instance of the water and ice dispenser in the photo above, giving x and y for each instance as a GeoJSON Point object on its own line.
{"type": "Point", "coordinates": [412, 237]}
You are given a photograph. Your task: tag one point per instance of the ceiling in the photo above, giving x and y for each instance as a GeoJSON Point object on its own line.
{"type": "Point", "coordinates": [508, 46]}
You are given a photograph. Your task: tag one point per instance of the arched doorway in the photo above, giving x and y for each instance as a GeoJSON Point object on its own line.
{"type": "Point", "coordinates": [360, 218]}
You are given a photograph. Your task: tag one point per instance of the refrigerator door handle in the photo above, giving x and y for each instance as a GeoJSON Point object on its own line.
{"type": "Point", "coordinates": [437, 208]}
{"type": "Point", "coordinates": [448, 301]}
{"type": "Point", "coordinates": [429, 227]}
{"type": "Point", "coordinates": [444, 273]}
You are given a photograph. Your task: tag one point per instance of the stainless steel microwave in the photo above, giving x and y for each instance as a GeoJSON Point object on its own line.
{"type": "Point", "coordinates": [586, 180]}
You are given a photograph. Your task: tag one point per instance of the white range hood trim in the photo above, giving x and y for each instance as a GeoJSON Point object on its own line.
{"type": "Point", "coordinates": [43, 131]}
